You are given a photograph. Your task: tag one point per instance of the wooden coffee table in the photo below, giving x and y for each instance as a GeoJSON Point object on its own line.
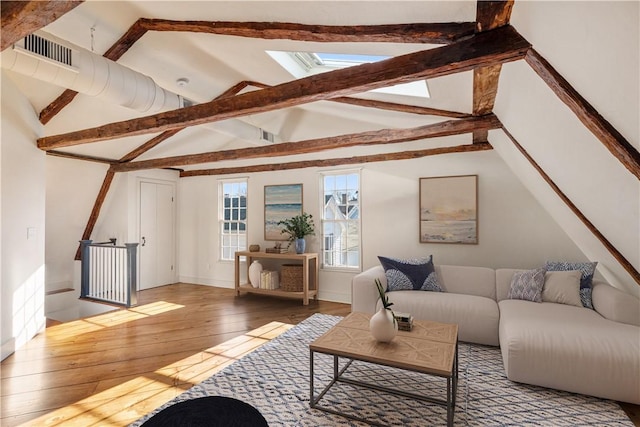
{"type": "Point", "coordinates": [429, 348]}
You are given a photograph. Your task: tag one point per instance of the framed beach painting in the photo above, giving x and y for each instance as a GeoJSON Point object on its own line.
{"type": "Point", "coordinates": [449, 209]}
{"type": "Point", "coordinates": [280, 202]}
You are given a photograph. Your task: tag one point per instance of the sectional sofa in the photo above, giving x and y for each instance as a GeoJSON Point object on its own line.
{"type": "Point", "coordinates": [557, 345]}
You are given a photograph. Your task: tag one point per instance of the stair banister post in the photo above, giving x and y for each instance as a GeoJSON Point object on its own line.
{"type": "Point", "coordinates": [84, 267]}
{"type": "Point", "coordinates": [132, 275]}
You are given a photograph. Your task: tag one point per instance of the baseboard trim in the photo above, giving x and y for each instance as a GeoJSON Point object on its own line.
{"type": "Point", "coordinates": [59, 291]}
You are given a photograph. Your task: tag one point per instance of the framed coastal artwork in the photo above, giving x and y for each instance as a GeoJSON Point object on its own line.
{"type": "Point", "coordinates": [280, 202]}
{"type": "Point", "coordinates": [449, 209]}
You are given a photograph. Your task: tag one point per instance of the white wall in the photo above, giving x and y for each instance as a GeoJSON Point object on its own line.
{"type": "Point", "coordinates": [596, 47]}
{"type": "Point", "coordinates": [514, 230]}
{"type": "Point", "coordinates": [72, 187]}
{"type": "Point", "coordinates": [23, 221]}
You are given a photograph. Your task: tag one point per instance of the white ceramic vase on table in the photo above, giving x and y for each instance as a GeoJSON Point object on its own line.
{"type": "Point", "coordinates": [382, 325]}
{"type": "Point", "coordinates": [255, 269]}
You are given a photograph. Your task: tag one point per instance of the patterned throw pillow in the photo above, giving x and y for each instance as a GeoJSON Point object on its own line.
{"type": "Point", "coordinates": [527, 285]}
{"type": "Point", "coordinates": [586, 268]}
{"type": "Point", "coordinates": [410, 274]}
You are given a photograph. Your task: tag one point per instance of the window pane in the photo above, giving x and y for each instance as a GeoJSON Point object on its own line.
{"type": "Point", "coordinates": [233, 218]}
{"type": "Point", "coordinates": [340, 222]}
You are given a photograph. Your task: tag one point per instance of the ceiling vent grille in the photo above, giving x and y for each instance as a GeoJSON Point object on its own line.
{"type": "Point", "coordinates": [267, 136]}
{"type": "Point", "coordinates": [46, 49]}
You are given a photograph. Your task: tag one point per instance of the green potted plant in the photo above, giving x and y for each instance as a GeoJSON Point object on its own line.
{"type": "Point", "coordinates": [297, 228]}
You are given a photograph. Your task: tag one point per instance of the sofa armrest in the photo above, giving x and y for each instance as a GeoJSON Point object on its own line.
{"type": "Point", "coordinates": [364, 294]}
{"type": "Point", "coordinates": [616, 305]}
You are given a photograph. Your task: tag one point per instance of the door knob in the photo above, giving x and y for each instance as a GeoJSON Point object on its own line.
{"type": "Point", "coordinates": [144, 241]}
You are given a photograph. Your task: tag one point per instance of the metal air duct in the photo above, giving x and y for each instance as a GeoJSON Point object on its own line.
{"type": "Point", "coordinates": [50, 59]}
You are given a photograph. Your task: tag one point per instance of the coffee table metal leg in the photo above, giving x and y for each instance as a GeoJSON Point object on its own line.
{"type": "Point", "coordinates": [455, 376]}
{"type": "Point", "coordinates": [449, 403]}
{"type": "Point", "coordinates": [312, 402]}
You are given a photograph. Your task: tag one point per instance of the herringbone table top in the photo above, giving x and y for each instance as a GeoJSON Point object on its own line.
{"type": "Point", "coordinates": [429, 347]}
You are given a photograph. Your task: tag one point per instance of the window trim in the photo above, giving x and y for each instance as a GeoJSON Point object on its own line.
{"type": "Point", "coordinates": [334, 172]}
{"type": "Point", "coordinates": [221, 220]}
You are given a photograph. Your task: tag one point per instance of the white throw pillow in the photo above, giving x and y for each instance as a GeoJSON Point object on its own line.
{"type": "Point", "coordinates": [562, 287]}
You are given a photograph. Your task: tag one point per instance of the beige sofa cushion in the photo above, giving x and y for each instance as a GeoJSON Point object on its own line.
{"type": "Point", "coordinates": [615, 304]}
{"type": "Point", "coordinates": [562, 287]}
{"type": "Point", "coordinates": [477, 317]}
{"type": "Point", "coordinates": [480, 281]}
{"type": "Point", "coordinates": [570, 348]}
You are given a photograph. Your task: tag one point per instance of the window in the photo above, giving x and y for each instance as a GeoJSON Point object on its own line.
{"type": "Point", "coordinates": [233, 218]}
{"type": "Point", "coordinates": [303, 64]}
{"type": "Point", "coordinates": [341, 220]}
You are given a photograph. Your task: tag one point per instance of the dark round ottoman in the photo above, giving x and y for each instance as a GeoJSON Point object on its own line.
{"type": "Point", "coordinates": [208, 411]}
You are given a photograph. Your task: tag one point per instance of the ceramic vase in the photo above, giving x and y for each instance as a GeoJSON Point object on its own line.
{"type": "Point", "coordinates": [382, 325]}
{"type": "Point", "coordinates": [300, 246]}
{"type": "Point", "coordinates": [255, 269]}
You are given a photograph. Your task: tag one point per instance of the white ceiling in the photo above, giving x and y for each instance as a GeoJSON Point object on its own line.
{"type": "Point", "coordinates": [214, 63]}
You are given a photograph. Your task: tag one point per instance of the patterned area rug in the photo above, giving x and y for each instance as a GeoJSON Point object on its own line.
{"type": "Point", "coordinates": [275, 380]}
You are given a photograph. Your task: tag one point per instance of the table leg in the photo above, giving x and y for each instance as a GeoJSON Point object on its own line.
{"type": "Point", "coordinates": [312, 402]}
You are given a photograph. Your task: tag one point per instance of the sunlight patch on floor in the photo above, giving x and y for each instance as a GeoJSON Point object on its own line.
{"type": "Point", "coordinates": [112, 318]}
{"type": "Point", "coordinates": [118, 403]}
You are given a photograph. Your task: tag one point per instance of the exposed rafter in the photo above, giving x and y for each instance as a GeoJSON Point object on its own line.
{"type": "Point", "coordinates": [21, 18]}
{"type": "Point", "coordinates": [606, 243]}
{"type": "Point", "coordinates": [73, 156]}
{"type": "Point", "coordinates": [489, 15]}
{"type": "Point", "coordinates": [437, 33]}
{"type": "Point", "coordinates": [589, 116]}
{"type": "Point", "coordinates": [404, 155]}
{"type": "Point", "coordinates": [93, 217]}
{"type": "Point", "coordinates": [406, 33]}
{"type": "Point", "coordinates": [108, 179]}
{"type": "Point", "coordinates": [384, 105]}
{"type": "Point", "coordinates": [402, 108]}
{"type": "Point", "coordinates": [384, 136]}
{"type": "Point", "coordinates": [484, 49]}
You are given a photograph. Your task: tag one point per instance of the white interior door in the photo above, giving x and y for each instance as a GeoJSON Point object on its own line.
{"type": "Point", "coordinates": [157, 231]}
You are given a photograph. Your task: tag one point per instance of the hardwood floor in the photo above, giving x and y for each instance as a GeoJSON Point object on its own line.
{"type": "Point", "coordinates": [110, 370]}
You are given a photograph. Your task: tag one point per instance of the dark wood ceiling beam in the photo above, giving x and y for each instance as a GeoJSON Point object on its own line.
{"type": "Point", "coordinates": [138, 151]}
{"type": "Point", "coordinates": [73, 156]}
{"type": "Point", "coordinates": [402, 108]}
{"type": "Point", "coordinates": [399, 33]}
{"type": "Point", "coordinates": [114, 53]}
{"type": "Point", "coordinates": [489, 15]}
{"type": "Point", "coordinates": [384, 136]}
{"type": "Point", "coordinates": [97, 206]}
{"type": "Point", "coordinates": [484, 49]}
{"type": "Point", "coordinates": [586, 113]}
{"type": "Point", "coordinates": [389, 106]}
{"type": "Point", "coordinates": [169, 133]}
{"type": "Point", "coordinates": [605, 242]}
{"type": "Point", "coordinates": [21, 18]}
{"type": "Point", "coordinates": [404, 155]}
{"type": "Point", "coordinates": [437, 33]}
{"type": "Point", "coordinates": [493, 14]}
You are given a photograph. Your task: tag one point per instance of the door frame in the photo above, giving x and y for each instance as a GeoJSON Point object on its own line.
{"type": "Point", "coordinates": [174, 249]}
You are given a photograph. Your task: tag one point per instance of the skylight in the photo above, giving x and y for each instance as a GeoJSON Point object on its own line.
{"type": "Point", "coordinates": [303, 64]}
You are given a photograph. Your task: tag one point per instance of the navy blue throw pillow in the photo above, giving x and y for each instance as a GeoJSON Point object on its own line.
{"type": "Point", "coordinates": [410, 274]}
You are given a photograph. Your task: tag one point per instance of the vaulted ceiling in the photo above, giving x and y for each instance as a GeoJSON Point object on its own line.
{"type": "Point", "coordinates": [216, 61]}
{"type": "Point", "coordinates": [220, 48]}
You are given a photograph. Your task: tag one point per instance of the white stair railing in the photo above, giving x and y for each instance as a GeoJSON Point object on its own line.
{"type": "Point", "coordinates": [108, 272]}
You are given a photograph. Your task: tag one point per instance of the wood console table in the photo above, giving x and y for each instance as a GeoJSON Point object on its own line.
{"type": "Point", "coordinates": [310, 275]}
